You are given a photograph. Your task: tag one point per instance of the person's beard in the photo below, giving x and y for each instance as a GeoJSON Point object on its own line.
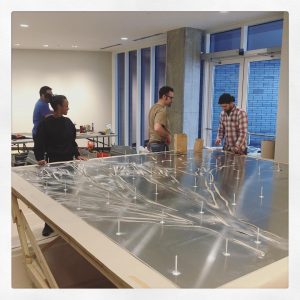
{"type": "Point", "coordinates": [228, 110]}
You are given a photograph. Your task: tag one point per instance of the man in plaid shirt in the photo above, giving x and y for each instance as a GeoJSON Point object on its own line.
{"type": "Point", "coordinates": [233, 126]}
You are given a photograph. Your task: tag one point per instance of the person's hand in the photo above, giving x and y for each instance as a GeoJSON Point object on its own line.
{"type": "Point", "coordinates": [81, 158]}
{"type": "Point", "coordinates": [41, 162]}
{"type": "Point", "coordinates": [218, 141]}
{"type": "Point", "coordinates": [237, 150]}
{"type": "Point", "coordinates": [168, 139]}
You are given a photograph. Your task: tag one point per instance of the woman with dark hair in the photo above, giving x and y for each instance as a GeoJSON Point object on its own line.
{"type": "Point", "coordinates": [55, 139]}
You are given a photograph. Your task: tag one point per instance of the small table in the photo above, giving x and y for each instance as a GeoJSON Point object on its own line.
{"type": "Point", "coordinates": [97, 138]}
{"type": "Point", "coordinates": [26, 139]}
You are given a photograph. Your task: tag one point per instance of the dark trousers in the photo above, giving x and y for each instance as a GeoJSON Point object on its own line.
{"type": "Point", "coordinates": [57, 158]}
{"type": "Point", "coordinates": [244, 153]}
{"type": "Point", "coordinates": [158, 147]}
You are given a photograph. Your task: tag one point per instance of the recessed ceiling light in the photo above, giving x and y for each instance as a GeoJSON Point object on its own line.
{"type": "Point", "coordinates": [124, 38]}
{"type": "Point", "coordinates": [74, 46]}
{"type": "Point", "coordinates": [17, 44]}
{"type": "Point", "coordinates": [24, 25]}
{"type": "Point", "coordinates": [45, 46]}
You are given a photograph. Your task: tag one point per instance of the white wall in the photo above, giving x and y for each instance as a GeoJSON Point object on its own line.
{"type": "Point", "coordinates": [282, 130]}
{"type": "Point", "coordinates": [85, 78]}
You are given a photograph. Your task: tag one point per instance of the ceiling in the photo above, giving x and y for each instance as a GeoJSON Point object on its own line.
{"type": "Point", "coordinates": [92, 31]}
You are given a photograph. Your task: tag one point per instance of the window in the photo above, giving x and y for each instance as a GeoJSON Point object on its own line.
{"type": "Point", "coordinates": [226, 80]}
{"type": "Point", "coordinates": [121, 98]}
{"type": "Point", "coordinates": [200, 96]}
{"type": "Point", "coordinates": [160, 69]}
{"type": "Point", "coordinates": [145, 93]}
{"type": "Point", "coordinates": [263, 83]}
{"type": "Point", "coordinates": [259, 78]}
{"type": "Point", "coordinates": [132, 115]}
{"type": "Point", "coordinates": [227, 40]}
{"type": "Point", "coordinates": [253, 80]}
{"type": "Point", "coordinates": [132, 96]}
{"type": "Point", "coordinates": [265, 35]}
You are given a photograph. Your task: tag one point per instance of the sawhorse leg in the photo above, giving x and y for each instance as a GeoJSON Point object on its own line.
{"type": "Point", "coordinates": [35, 261]}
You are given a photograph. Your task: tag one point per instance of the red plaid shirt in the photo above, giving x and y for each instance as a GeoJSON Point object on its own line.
{"type": "Point", "coordinates": [233, 129]}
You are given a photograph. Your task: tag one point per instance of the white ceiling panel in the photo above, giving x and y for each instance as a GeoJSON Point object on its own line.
{"type": "Point", "coordinates": [92, 31]}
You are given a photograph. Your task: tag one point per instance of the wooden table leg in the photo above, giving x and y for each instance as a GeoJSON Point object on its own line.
{"type": "Point", "coordinates": [35, 261]}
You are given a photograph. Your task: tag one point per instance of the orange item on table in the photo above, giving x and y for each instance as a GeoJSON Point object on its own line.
{"type": "Point", "coordinates": [90, 145]}
{"type": "Point", "coordinates": [102, 154]}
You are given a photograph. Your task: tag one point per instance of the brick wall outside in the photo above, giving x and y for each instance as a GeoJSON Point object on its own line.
{"type": "Point", "coordinates": [226, 80]}
{"type": "Point", "coordinates": [263, 99]}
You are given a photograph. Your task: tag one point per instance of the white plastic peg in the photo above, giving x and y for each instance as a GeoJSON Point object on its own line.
{"type": "Point", "coordinates": [261, 192]}
{"type": "Point", "coordinates": [175, 272]}
{"type": "Point", "coordinates": [233, 203]}
{"type": "Point", "coordinates": [257, 241]}
{"type": "Point", "coordinates": [201, 211]}
{"type": "Point", "coordinates": [226, 253]}
{"type": "Point", "coordinates": [118, 232]}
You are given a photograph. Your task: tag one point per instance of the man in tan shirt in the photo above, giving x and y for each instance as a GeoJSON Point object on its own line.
{"type": "Point", "coordinates": [159, 133]}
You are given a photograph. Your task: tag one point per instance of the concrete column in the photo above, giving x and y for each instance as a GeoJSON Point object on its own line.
{"type": "Point", "coordinates": [282, 130]}
{"type": "Point", "coordinates": [183, 74]}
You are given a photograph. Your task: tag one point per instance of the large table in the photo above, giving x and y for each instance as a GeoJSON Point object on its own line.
{"type": "Point", "coordinates": [201, 220]}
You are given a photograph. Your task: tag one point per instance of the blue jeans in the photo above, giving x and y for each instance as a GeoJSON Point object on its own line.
{"type": "Point", "coordinates": [154, 147]}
